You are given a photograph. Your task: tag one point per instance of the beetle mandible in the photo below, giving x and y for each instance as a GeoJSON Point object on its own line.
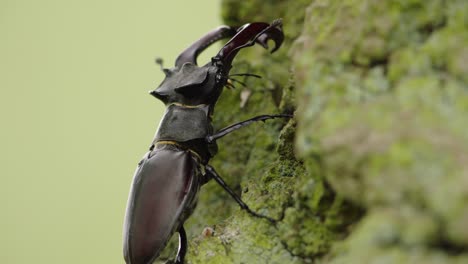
{"type": "Point", "coordinates": [168, 178]}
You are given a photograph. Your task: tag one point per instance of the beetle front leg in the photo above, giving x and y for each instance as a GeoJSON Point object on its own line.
{"type": "Point", "coordinates": [213, 174]}
{"type": "Point", "coordinates": [221, 133]}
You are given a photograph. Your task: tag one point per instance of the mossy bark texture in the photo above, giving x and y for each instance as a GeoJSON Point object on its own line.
{"type": "Point", "coordinates": [374, 166]}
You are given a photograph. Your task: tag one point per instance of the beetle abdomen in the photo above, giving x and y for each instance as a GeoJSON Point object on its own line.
{"type": "Point", "coordinates": [162, 189]}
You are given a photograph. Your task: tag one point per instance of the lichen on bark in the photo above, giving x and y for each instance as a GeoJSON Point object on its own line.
{"type": "Point", "coordinates": [373, 166]}
{"type": "Point", "coordinates": [383, 97]}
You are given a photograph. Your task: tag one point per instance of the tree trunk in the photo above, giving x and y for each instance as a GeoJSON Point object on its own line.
{"type": "Point", "coordinates": [373, 168]}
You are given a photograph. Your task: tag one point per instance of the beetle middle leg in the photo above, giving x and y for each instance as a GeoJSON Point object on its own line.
{"type": "Point", "coordinates": [213, 174]}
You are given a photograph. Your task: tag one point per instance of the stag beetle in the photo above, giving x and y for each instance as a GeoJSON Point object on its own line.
{"type": "Point", "coordinates": [168, 178]}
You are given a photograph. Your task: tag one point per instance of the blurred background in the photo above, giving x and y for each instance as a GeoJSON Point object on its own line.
{"type": "Point", "coordinates": [76, 117]}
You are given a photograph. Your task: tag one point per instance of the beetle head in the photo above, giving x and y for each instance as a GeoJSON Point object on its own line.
{"type": "Point", "coordinates": [190, 84]}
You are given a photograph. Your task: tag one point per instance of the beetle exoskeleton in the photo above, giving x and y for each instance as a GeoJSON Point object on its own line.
{"type": "Point", "coordinates": [168, 178]}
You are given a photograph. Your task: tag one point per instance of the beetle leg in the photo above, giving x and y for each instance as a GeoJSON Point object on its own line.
{"type": "Point", "coordinates": [221, 133]}
{"type": "Point", "coordinates": [182, 246]}
{"type": "Point", "coordinates": [213, 174]}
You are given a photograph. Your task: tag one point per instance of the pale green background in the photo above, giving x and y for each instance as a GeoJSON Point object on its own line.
{"type": "Point", "coordinates": [76, 117]}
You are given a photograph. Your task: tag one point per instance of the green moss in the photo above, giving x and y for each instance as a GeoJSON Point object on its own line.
{"type": "Point", "coordinates": [382, 102]}
{"type": "Point", "coordinates": [373, 167]}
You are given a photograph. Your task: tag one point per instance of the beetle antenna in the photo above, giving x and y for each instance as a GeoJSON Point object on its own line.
{"type": "Point", "coordinates": [160, 62]}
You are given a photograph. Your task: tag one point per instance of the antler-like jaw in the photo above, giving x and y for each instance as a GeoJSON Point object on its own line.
{"type": "Point", "coordinates": [247, 36]}
{"type": "Point", "coordinates": [191, 53]}
{"type": "Point", "coordinates": [189, 84]}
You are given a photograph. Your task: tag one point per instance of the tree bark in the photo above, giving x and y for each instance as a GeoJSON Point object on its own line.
{"type": "Point", "coordinates": [374, 165]}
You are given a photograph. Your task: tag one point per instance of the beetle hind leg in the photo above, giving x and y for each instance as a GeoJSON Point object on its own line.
{"type": "Point", "coordinates": [213, 174]}
{"type": "Point", "coordinates": [182, 246]}
{"type": "Point", "coordinates": [179, 259]}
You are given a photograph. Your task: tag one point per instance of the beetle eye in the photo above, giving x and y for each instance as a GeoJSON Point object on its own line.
{"type": "Point", "coordinates": [189, 90]}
